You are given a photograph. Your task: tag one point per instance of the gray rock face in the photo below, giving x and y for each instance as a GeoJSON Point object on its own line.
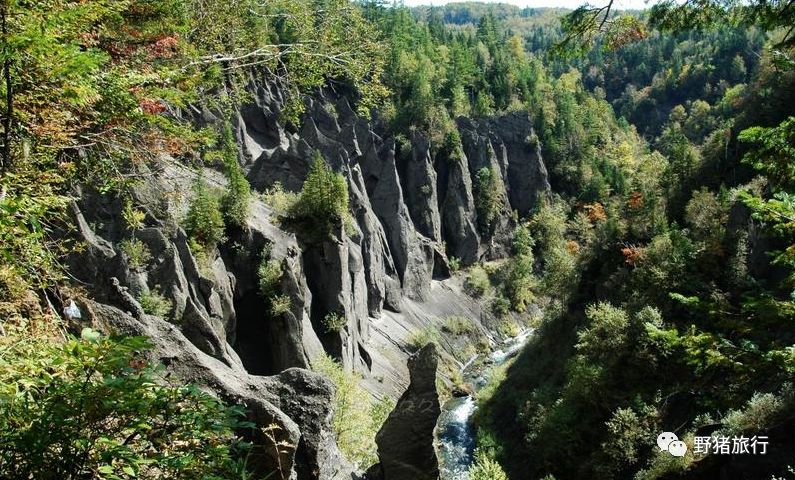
{"type": "Point", "coordinates": [297, 401]}
{"type": "Point", "coordinates": [411, 212]}
{"type": "Point", "coordinates": [458, 213]}
{"type": "Point", "coordinates": [386, 197]}
{"type": "Point", "coordinates": [419, 179]}
{"type": "Point", "coordinates": [405, 442]}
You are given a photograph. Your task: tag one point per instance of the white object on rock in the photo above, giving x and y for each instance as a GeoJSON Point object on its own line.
{"type": "Point", "coordinates": [71, 311]}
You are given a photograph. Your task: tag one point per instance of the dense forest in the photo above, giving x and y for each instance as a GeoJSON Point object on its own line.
{"type": "Point", "coordinates": [661, 265]}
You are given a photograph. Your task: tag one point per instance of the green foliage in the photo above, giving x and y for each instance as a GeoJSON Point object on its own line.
{"type": "Point", "coordinates": [133, 218]}
{"type": "Point", "coordinates": [520, 281]}
{"type": "Point", "coordinates": [29, 207]}
{"type": "Point", "coordinates": [455, 264]}
{"type": "Point", "coordinates": [606, 332]}
{"type": "Point", "coordinates": [235, 203]}
{"type": "Point", "coordinates": [458, 325]}
{"type": "Point", "coordinates": [136, 252]}
{"type": "Point", "coordinates": [773, 152]}
{"type": "Point", "coordinates": [94, 408]}
{"type": "Point", "coordinates": [642, 270]}
{"type": "Point", "coordinates": [424, 336]}
{"type": "Point", "coordinates": [508, 328]}
{"type": "Point", "coordinates": [355, 421]}
{"type": "Point", "coordinates": [485, 468]}
{"type": "Point", "coordinates": [323, 202]}
{"type": "Point", "coordinates": [500, 306]}
{"type": "Point", "coordinates": [89, 95]}
{"type": "Point", "coordinates": [270, 276]}
{"type": "Point", "coordinates": [155, 303]}
{"type": "Point", "coordinates": [775, 157]}
{"type": "Point", "coordinates": [334, 322]}
{"type": "Point", "coordinates": [280, 200]}
{"type": "Point", "coordinates": [280, 304]}
{"type": "Point", "coordinates": [707, 216]}
{"type": "Point", "coordinates": [487, 198]}
{"type": "Point", "coordinates": [204, 222]}
{"type": "Point", "coordinates": [477, 282]}
{"type": "Point", "coordinates": [761, 410]}
{"type": "Point", "coordinates": [629, 432]}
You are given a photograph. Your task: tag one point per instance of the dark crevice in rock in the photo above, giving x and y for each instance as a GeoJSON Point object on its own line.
{"type": "Point", "coordinates": [253, 331]}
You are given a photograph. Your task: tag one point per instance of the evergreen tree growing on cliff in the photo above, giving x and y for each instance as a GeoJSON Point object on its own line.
{"type": "Point", "coordinates": [323, 202]}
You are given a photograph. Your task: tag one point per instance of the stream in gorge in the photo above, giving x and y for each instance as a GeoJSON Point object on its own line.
{"type": "Point", "coordinates": [455, 433]}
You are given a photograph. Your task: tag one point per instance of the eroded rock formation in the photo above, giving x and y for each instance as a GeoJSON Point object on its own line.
{"type": "Point", "coordinates": [405, 442]}
{"type": "Point", "coordinates": [413, 210]}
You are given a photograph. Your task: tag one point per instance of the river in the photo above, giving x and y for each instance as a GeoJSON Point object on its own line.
{"type": "Point", "coordinates": [455, 433]}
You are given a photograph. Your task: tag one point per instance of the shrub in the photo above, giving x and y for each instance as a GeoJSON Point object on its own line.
{"type": "Point", "coordinates": [707, 216]}
{"type": "Point", "coordinates": [560, 270]}
{"type": "Point", "coordinates": [761, 411]}
{"type": "Point", "coordinates": [356, 421]}
{"type": "Point", "coordinates": [452, 145]}
{"type": "Point", "coordinates": [203, 259]}
{"type": "Point", "coordinates": [133, 218]}
{"type": "Point", "coordinates": [12, 287]}
{"type": "Point", "coordinates": [280, 200]}
{"type": "Point", "coordinates": [485, 468]}
{"type": "Point", "coordinates": [500, 305]}
{"type": "Point", "coordinates": [522, 240]}
{"type": "Point", "coordinates": [270, 276]}
{"type": "Point", "coordinates": [92, 408]}
{"type": "Point", "coordinates": [154, 303]}
{"type": "Point", "coordinates": [629, 431]}
{"type": "Point", "coordinates": [455, 264]}
{"type": "Point", "coordinates": [27, 204]}
{"type": "Point", "coordinates": [422, 337]}
{"type": "Point", "coordinates": [280, 304]}
{"type": "Point", "coordinates": [477, 283]}
{"type": "Point", "coordinates": [334, 322]}
{"type": "Point", "coordinates": [204, 222]}
{"type": "Point", "coordinates": [458, 325]}
{"type": "Point", "coordinates": [508, 328]}
{"type": "Point", "coordinates": [136, 252]}
{"type": "Point", "coordinates": [235, 202]}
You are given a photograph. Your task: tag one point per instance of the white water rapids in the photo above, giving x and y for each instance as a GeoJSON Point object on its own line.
{"type": "Point", "coordinates": [455, 433]}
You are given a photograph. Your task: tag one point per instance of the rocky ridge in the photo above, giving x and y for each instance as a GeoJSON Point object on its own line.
{"type": "Point", "coordinates": [413, 211]}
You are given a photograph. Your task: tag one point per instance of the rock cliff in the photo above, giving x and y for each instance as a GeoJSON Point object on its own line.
{"type": "Point", "coordinates": [413, 210]}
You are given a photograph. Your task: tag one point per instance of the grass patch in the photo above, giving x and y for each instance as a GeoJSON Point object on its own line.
{"type": "Point", "coordinates": [457, 325]}
{"type": "Point", "coordinates": [422, 337]}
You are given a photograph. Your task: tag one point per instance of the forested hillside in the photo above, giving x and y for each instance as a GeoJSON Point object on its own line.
{"type": "Point", "coordinates": [201, 201]}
